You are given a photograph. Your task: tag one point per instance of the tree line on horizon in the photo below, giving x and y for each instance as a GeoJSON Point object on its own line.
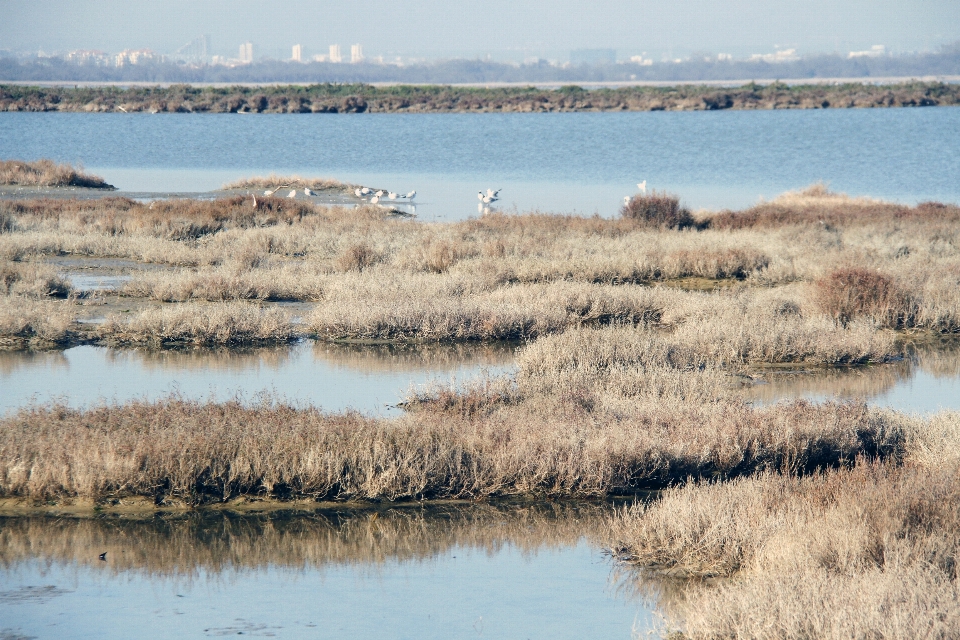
{"type": "Point", "coordinates": [943, 62]}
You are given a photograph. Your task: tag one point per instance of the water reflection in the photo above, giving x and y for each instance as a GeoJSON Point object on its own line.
{"type": "Point", "coordinates": [369, 378]}
{"type": "Point", "coordinates": [926, 380]}
{"type": "Point", "coordinates": [507, 570]}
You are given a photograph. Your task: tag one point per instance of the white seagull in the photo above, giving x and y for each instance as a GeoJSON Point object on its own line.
{"type": "Point", "coordinates": [642, 186]}
{"type": "Point", "coordinates": [411, 195]}
{"type": "Point", "coordinates": [292, 194]}
{"type": "Point", "coordinates": [492, 193]}
{"type": "Point", "coordinates": [358, 193]}
{"type": "Point", "coordinates": [366, 191]}
{"type": "Point", "coordinates": [486, 199]}
{"type": "Point", "coordinates": [626, 199]}
{"type": "Point", "coordinates": [307, 192]}
{"type": "Point", "coordinates": [374, 199]}
{"type": "Point", "coordinates": [392, 195]}
{"type": "Point", "coordinates": [379, 194]}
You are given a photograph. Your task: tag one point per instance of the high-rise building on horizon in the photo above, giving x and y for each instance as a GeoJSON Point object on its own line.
{"type": "Point", "coordinates": [356, 53]}
{"type": "Point", "coordinates": [246, 52]}
{"type": "Point", "coordinates": [297, 55]}
{"type": "Point", "coordinates": [335, 55]}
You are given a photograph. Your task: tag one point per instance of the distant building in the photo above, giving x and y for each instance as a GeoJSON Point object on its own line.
{"type": "Point", "coordinates": [640, 60]}
{"type": "Point", "coordinates": [335, 55]}
{"type": "Point", "coordinates": [724, 57]}
{"type": "Point", "coordinates": [876, 51]}
{"type": "Point", "coordinates": [784, 55]}
{"type": "Point", "coordinates": [320, 57]}
{"type": "Point", "coordinates": [297, 55]}
{"type": "Point", "coordinates": [136, 56]}
{"type": "Point", "coordinates": [84, 56]}
{"type": "Point", "coordinates": [593, 56]}
{"type": "Point", "coordinates": [246, 52]}
{"type": "Point", "coordinates": [356, 53]}
{"type": "Point", "coordinates": [196, 51]}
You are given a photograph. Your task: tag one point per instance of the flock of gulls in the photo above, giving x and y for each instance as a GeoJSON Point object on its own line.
{"type": "Point", "coordinates": [486, 199]}
{"type": "Point", "coordinates": [363, 192]}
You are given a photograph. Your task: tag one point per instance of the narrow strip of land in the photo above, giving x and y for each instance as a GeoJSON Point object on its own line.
{"type": "Point", "coordinates": [366, 98]}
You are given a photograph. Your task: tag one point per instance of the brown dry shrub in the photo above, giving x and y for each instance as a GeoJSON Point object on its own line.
{"type": "Point", "coordinates": [358, 257]}
{"type": "Point", "coordinates": [852, 292]}
{"type": "Point", "coordinates": [659, 210]}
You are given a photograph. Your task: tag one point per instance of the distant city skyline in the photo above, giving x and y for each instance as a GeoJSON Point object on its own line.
{"type": "Point", "coordinates": [495, 29]}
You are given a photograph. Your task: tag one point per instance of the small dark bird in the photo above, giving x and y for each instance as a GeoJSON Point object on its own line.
{"type": "Point", "coordinates": [103, 556]}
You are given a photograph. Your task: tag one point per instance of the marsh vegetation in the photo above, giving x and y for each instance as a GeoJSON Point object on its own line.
{"type": "Point", "coordinates": [638, 334]}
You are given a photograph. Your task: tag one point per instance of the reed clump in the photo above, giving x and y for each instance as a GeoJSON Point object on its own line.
{"type": "Point", "coordinates": [47, 173]}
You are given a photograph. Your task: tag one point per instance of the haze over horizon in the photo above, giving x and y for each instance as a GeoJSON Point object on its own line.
{"type": "Point", "coordinates": [499, 29]}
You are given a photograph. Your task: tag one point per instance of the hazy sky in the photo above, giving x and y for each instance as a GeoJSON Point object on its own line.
{"type": "Point", "coordinates": [505, 29]}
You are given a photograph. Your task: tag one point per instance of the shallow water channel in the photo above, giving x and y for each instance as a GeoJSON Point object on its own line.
{"type": "Point", "coordinates": [367, 378]}
{"type": "Point", "coordinates": [512, 570]}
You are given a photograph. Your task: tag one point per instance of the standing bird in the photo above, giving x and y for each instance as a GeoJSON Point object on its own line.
{"type": "Point", "coordinates": [379, 194]}
{"type": "Point", "coordinates": [292, 194]}
{"type": "Point", "coordinates": [642, 186]}
{"type": "Point", "coordinates": [492, 193]}
{"type": "Point", "coordinates": [411, 195]}
{"type": "Point", "coordinates": [626, 199]}
{"type": "Point", "coordinates": [307, 192]}
{"type": "Point", "coordinates": [366, 191]}
{"type": "Point", "coordinates": [374, 199]}
{"type": "Point", "coordinates": [358, 193]}
{"type": "Point", "coordinates": [392, 195]}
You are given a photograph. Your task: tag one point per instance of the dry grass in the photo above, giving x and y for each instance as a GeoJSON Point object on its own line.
{"type": "Point", "coordinates": [46, 173]}
{"type": "Point", "coordinates": [200, 452]}
{"type": "Point", "coordinates": [292, 182]}
{"type": "Point", "coordinates": [222, 324]}
{"type": "Point", "coordinates": [26, 320]}
{"type": "Point", "coordinates": [32, 280]}
{"type": "Point", "coordinates": [865, 552]}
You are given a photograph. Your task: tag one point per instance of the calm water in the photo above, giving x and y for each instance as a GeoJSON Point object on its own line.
{"type": "Point", "coordinates": [464, 572]}
{"type": "Point", "coordinates": [368, 379]}
{"type": "Point", "coordinates": [584, 162]}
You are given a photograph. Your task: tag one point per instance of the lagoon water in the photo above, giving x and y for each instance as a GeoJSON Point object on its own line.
{"type": "Point", "coordinates": [568, 162]}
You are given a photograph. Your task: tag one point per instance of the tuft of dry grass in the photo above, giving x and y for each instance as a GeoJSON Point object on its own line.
{"type": "Point", "coordinates": [46, 173]}
{"type": "Point", "coordinates": [27, 320]}
{"type": "Point", "coordinates": [358, 257]}
{"type": "Point", "coordinates": [218, 324]}
{"type": "Point", "coordinates": [32, 280]}
{"type": "Point", "coordinates": [657, 210]}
